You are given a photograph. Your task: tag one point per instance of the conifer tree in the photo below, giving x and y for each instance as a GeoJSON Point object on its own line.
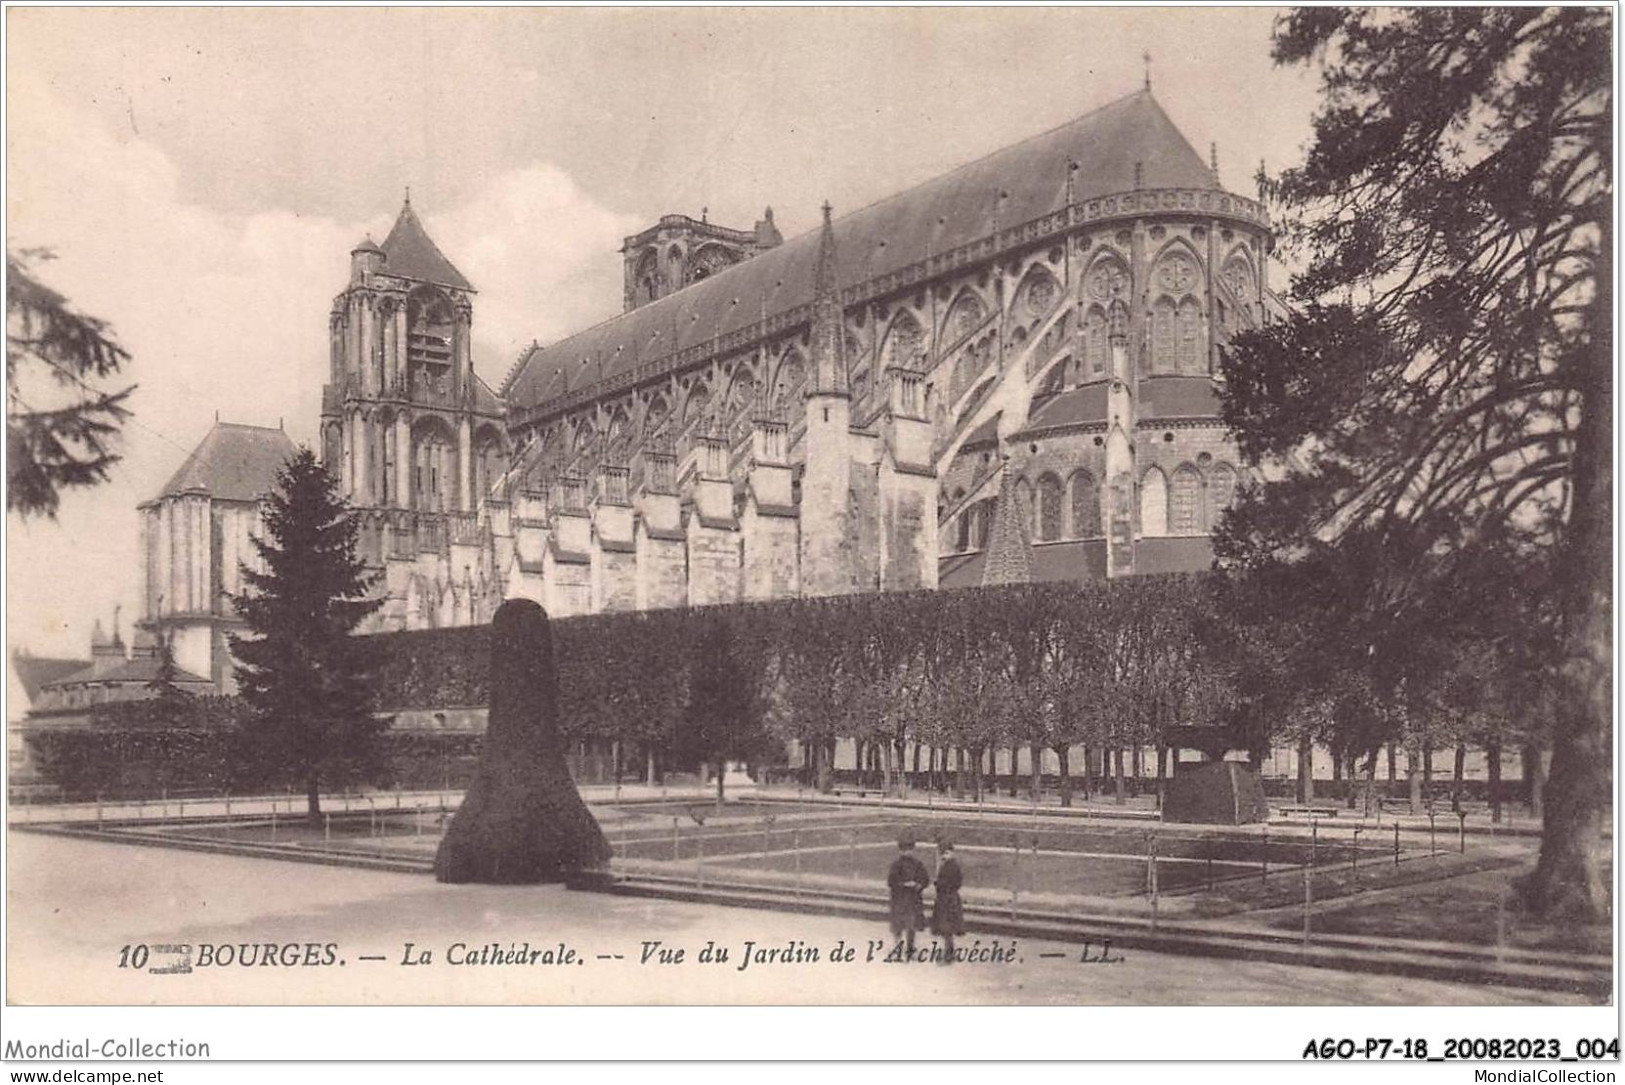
{"type": "Point", "coordinates": [163, 683]}
{"type": "Point", "coordinates": [62, 427]}
{"type": "Point", "coordinates": [300, 670]}
{"type": "Point", "coordinates": [1445, 386]}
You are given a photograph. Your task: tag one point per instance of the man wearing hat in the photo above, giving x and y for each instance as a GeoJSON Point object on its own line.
{"type": "Point", "coordinates": [947, 911]}
{"type": "Point", "coordinates": [907, 879]}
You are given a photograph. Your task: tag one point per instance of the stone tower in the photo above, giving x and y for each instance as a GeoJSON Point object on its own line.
{"type": "Point", "coordinates": [413, 435]}
{"type": "Point", "coordinates": [399, 411]}
{"type": "Point", "coordinates": [679, 250]}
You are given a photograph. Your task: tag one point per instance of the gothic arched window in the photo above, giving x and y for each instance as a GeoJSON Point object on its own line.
{"type": "Point", "coordinates": [903, 342]}
{"type": "Point", "coordinates": [1085, 506]}
{"type": "Point", "coordinates": [1037, 296]}
{"type": "Point", "coordinates": [646, 278]}
{"type": "Point", "coordinates": [1049, 508]}
{"type": "Point", "coordinates": [964, 316]}
{"type": "Point", "coordinates": [490, 462]}
{"type": "Point", "coordinates": [654, 415]}
{"type": "Point", "coordinates": [708, 261]}
{"type": "Point", "coordinates": [1221, 491]}
{"type": "Point", "coordinates": [430, 325]}
{"type": "Point", "coordinates": [1162, 336]}
{"type": "Point", "coordinates": [1176, 316]}
{"type": "Point", "coordinates": [982, 529]}
{"type": "Point", "coordinates": [788, 379]}
{"type": "Point", "coordinates": [383, 471]}
{"type": "Point", "coordinates": [1097, 352]}
{"type": "Point", "coordinates": [1185, 502]}
{"type": "Point", "coordinates": [1190, 355]}
{"type": "Point", "coordinates": [972, 357]}
{"type": "Point", "coordinates": [973, 526]}
{"type": "Point", "coordinates": [694, 408]}
{"type": "Point", "coordinates": [434, 468]}
{"type": "Point", "coordinates": [741, 401]}
{"type": "Point", "coordinates": [1153, 504]}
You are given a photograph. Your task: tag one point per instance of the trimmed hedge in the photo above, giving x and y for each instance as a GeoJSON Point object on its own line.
{"type": "Point", "coordinates": [144, 764]}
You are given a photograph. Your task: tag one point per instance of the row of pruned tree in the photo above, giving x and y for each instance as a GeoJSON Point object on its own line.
{"type": "Point", "coordinates": [1043, 667]}
{"type": "Point", "coordinates": [1114, 667]}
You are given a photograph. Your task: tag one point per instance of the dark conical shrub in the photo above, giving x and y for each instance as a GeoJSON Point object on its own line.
{"type": "Point", "coordinates": [522, 819]}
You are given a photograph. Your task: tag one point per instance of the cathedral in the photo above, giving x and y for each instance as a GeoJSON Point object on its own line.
{"type": "Point", "coordinates": [1003, 374]}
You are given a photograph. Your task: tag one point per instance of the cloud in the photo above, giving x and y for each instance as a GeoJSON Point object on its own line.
{"type": "Point", "coordinates": [228, 313]}
{"type": "Point", "coordinates": [543, 255]}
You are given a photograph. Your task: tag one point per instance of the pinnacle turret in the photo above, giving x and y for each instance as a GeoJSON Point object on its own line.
{"type": "Point", "coordinates": [828, 331]}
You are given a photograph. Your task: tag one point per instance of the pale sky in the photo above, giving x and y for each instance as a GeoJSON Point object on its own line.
{"type": "Point", "coordinates": [203, 174]}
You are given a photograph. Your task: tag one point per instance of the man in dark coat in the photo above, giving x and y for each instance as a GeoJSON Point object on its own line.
{"type": "Point", "coordinates": [907, 879]}
{"type": "Point", "coordinates": [947, 911]}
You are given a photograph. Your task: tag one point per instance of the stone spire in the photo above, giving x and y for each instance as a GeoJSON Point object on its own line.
{"type": "Point", "coordinates": [829, 377]}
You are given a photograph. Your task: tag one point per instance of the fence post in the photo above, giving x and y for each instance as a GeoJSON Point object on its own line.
{"type": "Point", "coordinates": [699, 859]}
{"type": "Point", "coordinates": [1433, 834]}
{"type": "Point", "coordinates": [1015, 882]}
{"type": "Point", "coordinates": [1396, 841]}
{"type": "Point", "coordinates": [327, 828]}
{"type": "Point", "coordinates": [1501, 925]}
{"type": "Point", "coordinates": [1354, 860]}
{"type": "Point", "coordinates": [1462, 830]}
{"type": "Point", "coordinates": [1156, 896]}
{"type": "Point", "coordinates": [1308, 898]}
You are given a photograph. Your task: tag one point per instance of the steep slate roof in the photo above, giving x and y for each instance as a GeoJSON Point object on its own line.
{"type": "Point", "coordinates": [1075, 406]}
{"type": "Point", "coordinates": [945, 213]}
{"type": "Point", "coordinates": [140, 669]}
{"type": "Point", "coordinates": [36, 672]}
{"type": "Point", "coordinates": [233, 463]}
{"type": "Point", "coordinates": [985, 434]}
{"type": "Point", "coordinates": [484, 399]}
{"type": "Point", "coordinates": [1160, 397]}
{"type": "Point", "coordinates": [409, 253]}
{"type": "Point", "coordinates": [1178, 397]}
